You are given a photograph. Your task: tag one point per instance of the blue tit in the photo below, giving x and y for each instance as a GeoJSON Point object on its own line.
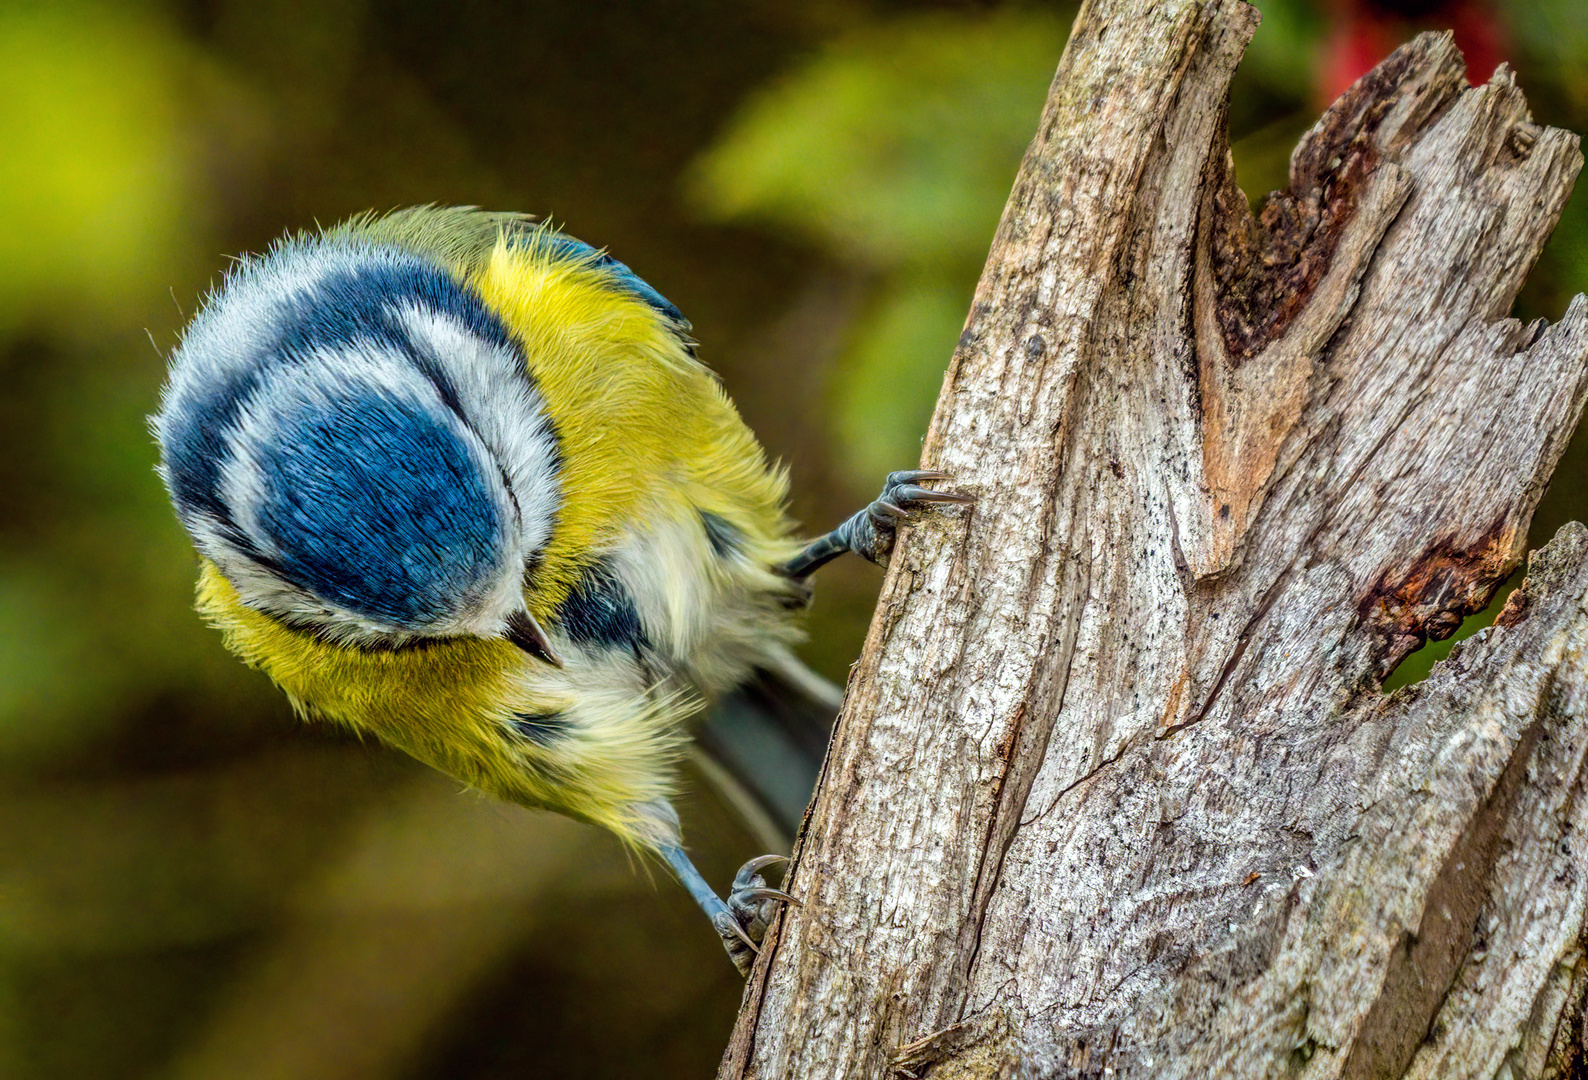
{"type": "Point", "coordinates": [458, 481]}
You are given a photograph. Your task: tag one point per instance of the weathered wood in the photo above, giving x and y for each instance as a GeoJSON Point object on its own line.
{"type": "Point", "coordinates": [1115, 790]}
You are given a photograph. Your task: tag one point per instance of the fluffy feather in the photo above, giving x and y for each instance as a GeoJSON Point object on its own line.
{"type": "Point", "coordinates": [654, 575]}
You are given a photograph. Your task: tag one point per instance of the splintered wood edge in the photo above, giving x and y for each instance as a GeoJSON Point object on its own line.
{"type": "Point", "coordinates": [1306, 968]}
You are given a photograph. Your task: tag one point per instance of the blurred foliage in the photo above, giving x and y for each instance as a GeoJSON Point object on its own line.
{"type": "Point", "coordinates": [194, 885]}
{"type": "Point", "coordinates": [1552, 36]}
{"type": "Point", "coordinates": [894, 149]}
{"type": "Point", "coordinates": [895, 144]}
{"type": "Point", "coordinates": [96, 177]}
{"type": "Point", "coordinates": [105, 199]}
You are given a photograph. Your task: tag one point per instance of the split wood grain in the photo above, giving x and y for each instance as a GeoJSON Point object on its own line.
{"type": "Point", "coordinates": [1115, 790]}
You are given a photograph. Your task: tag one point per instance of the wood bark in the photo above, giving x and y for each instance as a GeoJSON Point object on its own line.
{"type": "Point", "coordinates": [1115, 790]}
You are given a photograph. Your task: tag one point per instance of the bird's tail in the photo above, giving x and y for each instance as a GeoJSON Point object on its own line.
{"type": "Point", "coordinates": [762, 745]}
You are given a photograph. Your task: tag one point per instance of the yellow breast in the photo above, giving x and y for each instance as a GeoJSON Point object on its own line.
{"type": "Point", "coordinates": [645, 429]}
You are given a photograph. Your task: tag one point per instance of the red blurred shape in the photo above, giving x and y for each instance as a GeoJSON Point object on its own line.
{"type": "Point", "coordinates": [1363, 32]}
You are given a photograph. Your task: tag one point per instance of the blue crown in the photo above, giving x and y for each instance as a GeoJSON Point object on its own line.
{"type": "Point", "coordinates": [312, 429]}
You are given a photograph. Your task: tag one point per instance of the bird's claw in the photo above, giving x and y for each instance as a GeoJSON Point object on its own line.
{"type": "Point", "coordinates": [872, 531]}
{"type": "Point", "coordinates": [741, 950]}
{"type": "Point", "coordinates": [751, 906]}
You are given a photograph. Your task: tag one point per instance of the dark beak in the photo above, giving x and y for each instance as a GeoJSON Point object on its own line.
{"type": "Point", "coordinates": [525, 632]}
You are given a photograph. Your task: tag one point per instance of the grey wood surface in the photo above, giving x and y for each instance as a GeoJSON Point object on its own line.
{"type": "Point", "coordinates": [1115, 791]}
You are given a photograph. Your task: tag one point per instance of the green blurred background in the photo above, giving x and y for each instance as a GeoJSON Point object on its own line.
{"type": "Point", "coordinates": [193, 885]}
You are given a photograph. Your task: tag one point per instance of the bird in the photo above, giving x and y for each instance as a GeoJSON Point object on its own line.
{"type": "Point", "coordinates": [459, 481]}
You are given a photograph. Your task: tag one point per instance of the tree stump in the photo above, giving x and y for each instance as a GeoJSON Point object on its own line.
{"type": "Point", "coordinates": [1115, 790]}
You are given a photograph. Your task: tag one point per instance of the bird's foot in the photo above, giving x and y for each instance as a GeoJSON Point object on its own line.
{"type": "Point", "coordinates": [754, 903]}
{"type": "Point", "coordinates": [750, 907]}
{"type": "Point", "coordinates": [872, 532]}
{"type": "Point", "coordinates": [742, 921]}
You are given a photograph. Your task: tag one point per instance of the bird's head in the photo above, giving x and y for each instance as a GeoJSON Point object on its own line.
{"type": "Point", "coordinates": [353, 439]}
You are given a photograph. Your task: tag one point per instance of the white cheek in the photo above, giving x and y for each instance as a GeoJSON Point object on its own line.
{"type": "Point", "coordinates": [664, 571]}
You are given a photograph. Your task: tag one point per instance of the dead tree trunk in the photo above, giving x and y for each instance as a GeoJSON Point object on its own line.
{"type": "Point", "coordinates": [1115, 790]}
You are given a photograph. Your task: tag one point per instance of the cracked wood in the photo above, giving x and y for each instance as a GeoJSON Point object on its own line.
{"type": "Point", "coordinates": [1115, 790]}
